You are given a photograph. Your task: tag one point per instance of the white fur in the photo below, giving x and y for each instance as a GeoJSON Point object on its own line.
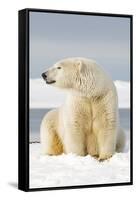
{"type": "Point", "coordinates": [88, 121]}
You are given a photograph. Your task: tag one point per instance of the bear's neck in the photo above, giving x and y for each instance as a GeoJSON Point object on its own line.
{"type": "Point", "coordinates": [79, 94]}
{"type": "Point", "coordinates": [93, 89]}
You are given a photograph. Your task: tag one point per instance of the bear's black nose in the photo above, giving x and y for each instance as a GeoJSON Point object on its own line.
{"type": "Point", "coordinates": [44, 75]}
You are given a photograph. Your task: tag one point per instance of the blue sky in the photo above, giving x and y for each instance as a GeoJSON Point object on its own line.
{"type": "Point", "coordinates": [57, 36]}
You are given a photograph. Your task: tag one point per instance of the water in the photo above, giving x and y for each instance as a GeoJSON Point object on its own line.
{"type": "Point", "coordinates": [36, 116]}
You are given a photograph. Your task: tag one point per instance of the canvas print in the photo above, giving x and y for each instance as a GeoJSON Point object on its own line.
{"type": "Point", "coordinates": [79, 100]}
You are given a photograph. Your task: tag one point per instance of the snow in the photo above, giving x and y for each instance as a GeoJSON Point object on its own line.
{"type": "Point", "coordinates": [70, 169]}
{"type": "Point", "coordinates": [45, 96]}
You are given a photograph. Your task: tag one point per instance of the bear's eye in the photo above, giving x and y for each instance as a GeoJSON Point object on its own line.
{"type": "Point", "coordinates": [58, 67]}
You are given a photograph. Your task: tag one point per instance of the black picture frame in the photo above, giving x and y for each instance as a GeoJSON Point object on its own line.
{"type": "Point", "coordinates": [23, 79]}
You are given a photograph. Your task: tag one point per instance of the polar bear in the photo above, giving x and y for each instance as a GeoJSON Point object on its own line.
{"type": "Point", "coordinates": [87, 123]}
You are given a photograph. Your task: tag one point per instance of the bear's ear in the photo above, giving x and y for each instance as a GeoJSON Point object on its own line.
{"type": "Point", "coordinates": [80, 66]}
{"type": "Point", "coordinates": [79, 63]}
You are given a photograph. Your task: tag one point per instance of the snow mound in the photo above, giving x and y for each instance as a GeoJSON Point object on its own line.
{"type": "Point", "coordinates": [68, 170]}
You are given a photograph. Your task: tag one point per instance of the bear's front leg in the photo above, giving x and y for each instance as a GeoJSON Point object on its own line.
{"type": "Point", "coordinates": [107, 132]}
{"type": "Point", "coordinates": [106, 144]}
{"type": "Point", "coordinates": [106, 125]}
{"type": "Point", "coordinates": [74, 140]}
{"type": "Point", "coordinates": [77, 123]}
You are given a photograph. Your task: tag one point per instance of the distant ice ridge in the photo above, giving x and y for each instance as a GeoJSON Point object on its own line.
{"type": "Point", "coordinates": [46, 96]}
{"type": "Point", "coordinates": [123, 90]}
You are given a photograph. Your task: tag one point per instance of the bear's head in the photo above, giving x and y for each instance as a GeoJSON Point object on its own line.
{"type": "Point", "coordinates": [65, 73]}
{"type": "Point", "coordinates": [79, 74]}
